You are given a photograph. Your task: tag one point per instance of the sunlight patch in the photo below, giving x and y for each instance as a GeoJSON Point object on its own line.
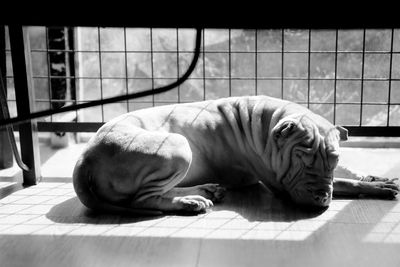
{"type": "Point", "coordinates": [26, 212]}
{"type": "Point", "coordinates": [32, 220]}
{"type": "Point", "coordinates": [388, 228]}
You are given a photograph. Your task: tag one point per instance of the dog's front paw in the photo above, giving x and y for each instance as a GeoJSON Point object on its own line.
{"type": "Point", "coordinates": [387, 189]}
{"type": "Point", "coordinates": [215, 192]}
{"type": "Point", "coordinates": [373, 178]}
{"type": "Point", "coordinates": [193, 203]}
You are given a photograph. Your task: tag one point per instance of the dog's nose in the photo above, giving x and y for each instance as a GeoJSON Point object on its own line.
{"type": "Point", "coordinates": [322, 198]}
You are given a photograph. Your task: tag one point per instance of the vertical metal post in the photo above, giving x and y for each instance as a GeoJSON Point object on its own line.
{"type": "Point", "coordinates": [390, 77]}
{"type": "Point", "coordinates": [362, 79]}
{"type": "Point", "coordinates": [177, 63]}
{"type": "Point", "coordinates": [126, 70]}
{"type": "Point", "coordinates": [335, 78]}
{"type": "Point", "coordinates": [230, 62]}
{"type": "Point", "coordinates": [282, 59]}
{"type": "Point", "coordinates": [152, 65]}
{"type": "Point", "coordinates": [256, 61]}
{"type": "Point", "coordinates": [309, 69]}
{"type": "Point", "coordinates": [21, 60]}
{"type": "Point", "coordinates": [6, 156]}
{"type": "Point", "coordinates": [204, 63]}
{"type": "Point", "coordinates": [50, 89]}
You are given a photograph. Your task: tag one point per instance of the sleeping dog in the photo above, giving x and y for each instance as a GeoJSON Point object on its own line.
{"type": "Point", "coordinates": [182, 157]}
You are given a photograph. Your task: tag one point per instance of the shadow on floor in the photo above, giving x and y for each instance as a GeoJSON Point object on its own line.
{"type": "Point", "coordinates": [257, 203]}
{"type": "Point", "coordinates": [73, 211]}
{"type": "Point", "coordinates": [254, 203]}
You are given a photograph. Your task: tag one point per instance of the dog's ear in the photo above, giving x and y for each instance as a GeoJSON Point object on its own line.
{"type": "Point", "coordinates": [343, 133]}
{"type": "Point", "coordinates": [285, 130]}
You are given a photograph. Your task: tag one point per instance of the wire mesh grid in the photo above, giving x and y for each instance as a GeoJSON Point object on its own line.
{"type": "Point", "coordinates": [351, 77]}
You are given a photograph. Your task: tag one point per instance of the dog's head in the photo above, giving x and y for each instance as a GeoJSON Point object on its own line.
{"type": "Point", "coordinates": [305, 154]}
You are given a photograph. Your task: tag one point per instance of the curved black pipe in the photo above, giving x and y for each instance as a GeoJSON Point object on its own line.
{"type": "Point", "coordinates": [44, 113]}
{"type": "Point", "coordinates": [10, 130]}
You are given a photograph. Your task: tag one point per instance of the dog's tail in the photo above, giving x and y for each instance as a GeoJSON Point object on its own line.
{"type": "Point", "coordinates": [83, 181]}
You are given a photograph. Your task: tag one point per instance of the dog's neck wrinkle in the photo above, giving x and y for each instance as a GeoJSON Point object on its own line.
{"type": "Point", "coordinates": [231, 114]}
{"type": "Point", "coordinates": [256, 131]}
{"type": "Point", "coordinates": [254, 118]}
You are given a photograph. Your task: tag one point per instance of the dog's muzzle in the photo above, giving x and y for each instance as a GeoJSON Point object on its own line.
{"type": "Point", "coordinates": [319, 195]}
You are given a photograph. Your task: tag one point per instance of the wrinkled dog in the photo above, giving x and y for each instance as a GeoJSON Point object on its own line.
{"type": "Point", "coordinates": [181, 157]}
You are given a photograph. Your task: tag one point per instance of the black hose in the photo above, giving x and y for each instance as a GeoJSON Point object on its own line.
{"type": "Point", "coordinates": [10, 130]}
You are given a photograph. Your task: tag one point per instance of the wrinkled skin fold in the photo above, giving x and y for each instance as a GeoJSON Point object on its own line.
{"type": "Point", "coordinates": [304, 159]}
{"type": "Point", "coordinates": [181, 157]}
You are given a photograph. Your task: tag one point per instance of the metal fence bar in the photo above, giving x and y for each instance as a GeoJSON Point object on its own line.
{"type": "Point", "coordinates": [391, 131]}
{"type": "Point", "coordinates": [204, 65]}
{"type": "Point", "coordinates": [29, 141]}
{"type": "Point", "coordinates": [362, 79]}
{"type": "Point", "coordinates": [227, 80]}
{"type": "Point", "coordinates": [217, 51]}
{"type": "Point", "coordinates": [68, 126]}
{"type": "Point", "coordinates": [390, 76]}
{"type": "Point", "coordinates": [126, 70]}
{"type": "Point", "coordinates": [256, 61]}
{"type": "Point", "coordinates": [101, 73]}
{"type": "Point", "coordinates": [6, 158]}
{"type": "Point", "coordinates": [220, 78]}
{"type": "Point", "coordinates": [71, 66]}
{"type": "Point", "coordinates": [282, 59]}
{"type": "Point", "coordinates": [299, 102]}
{"type": "Point", "coordinates": [309, 68]}
{"type": "Point", "coordinates": [371, 131]}
{"type": "Point", "coordinates": [48, 70]}
{"type": "Point", "coordinates": [335, 78]}
{"type": "Point", "coordinates": [230, 61]}
{"type": "Point", "coordinates": [152, 63]}
{"type": "Point", "coordinates": [177, 64]}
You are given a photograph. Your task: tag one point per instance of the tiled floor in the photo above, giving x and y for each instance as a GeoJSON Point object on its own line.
{"type": "Point", "coordinates": [46, 225]}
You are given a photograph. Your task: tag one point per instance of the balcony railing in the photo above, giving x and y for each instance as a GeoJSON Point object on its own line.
{"type": "Point", "coordinates": [349, 76]}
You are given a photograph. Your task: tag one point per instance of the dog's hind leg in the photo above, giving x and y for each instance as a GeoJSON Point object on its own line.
{"type": "Point", "coordinates": [193, 199]}
{"type": "Point", "coordinates": [170, 203]}
{"type": "Point", "coordinates": [135, 169]}
{"type": "Point", "coordinates": [162, 171]}
{"type": "Point", "coordinates": [214, 192]}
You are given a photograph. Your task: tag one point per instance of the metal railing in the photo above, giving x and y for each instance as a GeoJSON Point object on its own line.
{"type": "Point", "coordinates": [357, 71]}
{"type": "Point", "coordinates": [351, 77]}
{"type": "Point", "coordinates": [289, 64]}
